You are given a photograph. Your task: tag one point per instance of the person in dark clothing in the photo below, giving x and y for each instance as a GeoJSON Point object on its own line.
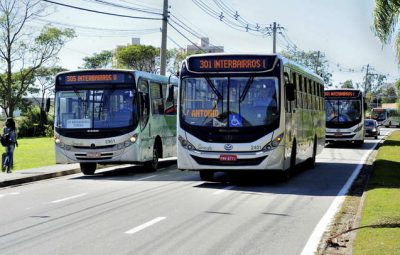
{"type": "Point", "coordinates": [10, 129]}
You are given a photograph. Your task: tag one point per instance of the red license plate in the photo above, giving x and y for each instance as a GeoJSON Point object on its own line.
{"type": "Point", "coordinates": [227, 157]}
{"type": "Point", "coordinates": [338, 134]}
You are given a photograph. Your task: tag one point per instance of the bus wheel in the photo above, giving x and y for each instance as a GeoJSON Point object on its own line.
{"type": "Point", "coordinates": [359, 143]}
{"type": "Point", "coordinates": [311, 161]}
{"type": "Point", "coordinates": [152, 165]}
{"type": "Point", "coordinates": [88, 168]}
{"type": "Point", "coordinates": [206, 175]}
{"type": "Point", "coordinates": [287, 174]}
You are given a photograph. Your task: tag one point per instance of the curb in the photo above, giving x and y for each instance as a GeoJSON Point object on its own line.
{"type": "Point", "coordinates": [38, 177]}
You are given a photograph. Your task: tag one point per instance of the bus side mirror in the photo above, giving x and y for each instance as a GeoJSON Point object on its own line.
{"type": "Point", "coordinates": [170, 93]}
{"type": "Point", "coordinates": [365, 106]}
{"type": "Point", "coordinates": [290, 92]}
{"type": "Point", "coordinates": [47, 104]}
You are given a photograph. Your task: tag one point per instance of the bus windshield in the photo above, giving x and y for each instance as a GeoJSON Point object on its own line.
{"type": "Point", "coordinates": [343, 111]}
{"type": "Point", "coordinates": [230, 102]}
{"type": "Point", "coordinates": [378, 115]}
{"type": "Point", "coordinates": [88, 109]}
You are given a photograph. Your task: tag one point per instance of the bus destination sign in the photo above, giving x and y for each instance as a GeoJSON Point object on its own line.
{"type": "Point", "coordinates": [84, 78]}
{"type": "Point", "coordinates": [230, 63]}
{"type": "Point", "coordinates": [341, 94]}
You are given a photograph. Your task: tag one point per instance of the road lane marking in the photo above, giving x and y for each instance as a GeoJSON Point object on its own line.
{"type": "Point", "coordinates": [145, 225]}
{"type": "Point", "coordinates": [316, 236]}
{"type": "Point", "coordinates": [68, 198]}
{"type": "Point", "coordinates": [145, 178]}
{"type": "Point", "coordinates": [9, 194]}
{"type": "Point", "coordinates": [223, 190]}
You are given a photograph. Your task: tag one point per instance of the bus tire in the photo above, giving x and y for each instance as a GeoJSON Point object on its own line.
{"type": "Point", "coordinates": [206, 175]}
{"type": "Point", "coordinates": [152, 165]}
{"type": "Point", "coordinates": [287, 174]}
{"type": "Point", "coordinates": [359, 143]}
{"type": "Point", "coordinates": [311, 161]}
{"type": "Point", "coordinates": [88, 168]}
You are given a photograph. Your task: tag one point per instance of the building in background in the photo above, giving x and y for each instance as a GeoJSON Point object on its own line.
{"type": "Point", "coordinates": [204, 46]}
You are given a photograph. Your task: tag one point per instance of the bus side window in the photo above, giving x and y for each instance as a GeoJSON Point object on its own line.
{"type": "Point", "coordinates": [170, 100]}
{"type": "Point", "coordinates": [144, 103]}
{"type": "Point", "coordinates": [156, 98]}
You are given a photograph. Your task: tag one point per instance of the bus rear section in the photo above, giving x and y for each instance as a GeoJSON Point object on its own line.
{"type": "Point", "coordinates": [345, 116]}
{"type": "Point", "coordinates": [232, 114]}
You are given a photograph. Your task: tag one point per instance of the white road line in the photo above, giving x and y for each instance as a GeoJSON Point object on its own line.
{"type": "Point", "coordinates": [68, 198]}
{"type": "Point", "coordinates": [145, 225]}
{"type": "Point", "coordinates": [223, 190]}
{"type": "Point", "coordinates": [145, 178]}
{"type": "Point", "coordinates": [9, 194]}
{"type": "Point", "coordinates": [322, 226]}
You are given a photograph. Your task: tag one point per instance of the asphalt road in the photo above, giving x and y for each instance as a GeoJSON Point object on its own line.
{"type": "Point", "coordinates": [129, 211]}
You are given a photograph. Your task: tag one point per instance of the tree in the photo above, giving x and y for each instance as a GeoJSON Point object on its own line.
{"type": "Point", "coordinates": [23, 51]}
{"type": "Point", "coordinates": [98, 60]}
{"type": "Point", "coordinates": [138, 57]}
{"type": "Point", "coordinates": [389, 95]}
{"type": "Point", "coordinates": [44, 86]}
{"type": "Point", "coordinates": [348, 85]}
{"type": "Point", "coordinates": [386, 16]}
{"type": "Point", "coordinates": [314, 60]}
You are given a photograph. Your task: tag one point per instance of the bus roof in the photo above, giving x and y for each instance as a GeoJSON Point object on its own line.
{"type": "Point", "coordinates": [285, 61]}
{"type": "Point", "coordinates": [156, 77]}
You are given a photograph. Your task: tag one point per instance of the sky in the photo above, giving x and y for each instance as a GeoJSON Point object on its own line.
{"type": "Point", "coordinates": [341, 29]}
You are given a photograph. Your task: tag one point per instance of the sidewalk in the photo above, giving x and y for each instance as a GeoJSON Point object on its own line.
{"type": "Point", "coordinates": [36, 174]}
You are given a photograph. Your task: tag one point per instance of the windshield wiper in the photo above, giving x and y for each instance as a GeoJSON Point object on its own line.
{"type": "Point", "coordinates": [246, 89]}
{"type": "Point", "coordinates": [214, 89]}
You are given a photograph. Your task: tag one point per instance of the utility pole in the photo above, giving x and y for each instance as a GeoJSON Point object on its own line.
{"type": "Point", "coordinates": [317, 62]}
{"type": "Point", "coordinates": [163, 53]}
{"type": "Point", "coordinates": [366, 81]}
{"type": "Point", "coordinates": [274, 27]}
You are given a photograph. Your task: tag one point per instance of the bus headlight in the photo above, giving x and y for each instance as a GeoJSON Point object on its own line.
{"type": "Point", "coordinates": [274, 143]}
{"type": "Point", "coordinates": [358, 129]}
{"type": "Point", "coordinates": [127, 143]}
{"type": "Point", "coordinates": [185, 144]}
{"type": "Point", "coordinates": [133, 138]}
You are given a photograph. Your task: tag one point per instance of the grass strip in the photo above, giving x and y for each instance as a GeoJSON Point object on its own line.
{"type": "Point", "coordinates": [379, 231]}
{"type": "Point", "coordinates": [34, 152]}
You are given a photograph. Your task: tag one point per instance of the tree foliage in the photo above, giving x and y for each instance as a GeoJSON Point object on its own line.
{"type": "Point", "coordinates": [23, 51]}
{"type": "Point", "coordinates": [348, 85]}
{"type": "Point", "coordinates": [314, 60]}
{"type": "Point", "coordinates": [98, 60]}
{"type": "Point", "coordinates": [138, 57]}
{"type": "Point", "coordinates": [386, 16]}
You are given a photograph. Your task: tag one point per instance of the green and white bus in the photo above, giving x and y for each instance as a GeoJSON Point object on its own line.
{"type": "Point", "coordinates": [345, 114]}
{"type": "Point", "coordinates": [248, 112]}
{"type": "Point", "coordinates": [114, 116]}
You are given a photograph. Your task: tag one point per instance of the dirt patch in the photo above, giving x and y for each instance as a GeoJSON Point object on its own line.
{"type": "Point", "coordinates": [340, 237]}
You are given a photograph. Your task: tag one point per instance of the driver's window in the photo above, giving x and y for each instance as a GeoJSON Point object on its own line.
{"type": "Point", "coordinates": [144, 103]}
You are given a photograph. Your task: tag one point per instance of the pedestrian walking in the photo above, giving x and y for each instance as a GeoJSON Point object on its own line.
{"type": "Point", "coordinates": [9, 141]}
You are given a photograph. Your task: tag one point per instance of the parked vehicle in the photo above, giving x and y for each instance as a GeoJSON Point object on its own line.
{"type": "Point", "coordinates": [372, 128]}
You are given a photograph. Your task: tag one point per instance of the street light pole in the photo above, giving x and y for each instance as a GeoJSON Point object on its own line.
{"type": "Point", "coordinates": [163, 57]}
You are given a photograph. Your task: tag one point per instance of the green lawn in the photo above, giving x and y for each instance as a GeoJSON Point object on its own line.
{"type": "Point", "coordinates": [34, 152]}
{"type": "Point", "coordinates": [379, 231]}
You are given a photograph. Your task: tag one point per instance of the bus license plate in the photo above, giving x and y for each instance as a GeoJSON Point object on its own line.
{"type": "Point", "coordinates": [227, 157]}
{"type": "Point", "coordinates": [338, 134]}
{"type": "Point", "coordinates": [93, 154]}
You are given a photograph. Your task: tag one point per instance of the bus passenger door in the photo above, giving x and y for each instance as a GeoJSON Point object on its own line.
{"type": "Point", "coordinates": [144, 124]}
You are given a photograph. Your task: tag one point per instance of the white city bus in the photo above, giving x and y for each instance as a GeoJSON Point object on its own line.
{"type": "Point", "coordinates": [345, 115]}
{"type": "Point", "coordinates": [114, 116]}
{"type": "Point", "coordinates": [379, 114]}
{"type": "Point", "coordinates": [248, 111]}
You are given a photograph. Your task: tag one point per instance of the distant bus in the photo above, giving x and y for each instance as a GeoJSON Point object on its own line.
{"type": "Point", "coordinates": [248, 112]}
{"type": "Point", "coordinates": [345, 116]}
{"type": "Point", "coordinates": [114, 116]}
{"type": "Point", "coordinates": [379, 114]}
{"type": "Point", "coordinates": [386, 117]}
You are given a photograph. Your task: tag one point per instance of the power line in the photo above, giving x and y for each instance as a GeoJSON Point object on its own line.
{"type": "Point", "coordinates": [100, 12]}
{"type": "Point", "coordinates": [124, 7]}
{"type": "Point", "coordinates": [177, 30]}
